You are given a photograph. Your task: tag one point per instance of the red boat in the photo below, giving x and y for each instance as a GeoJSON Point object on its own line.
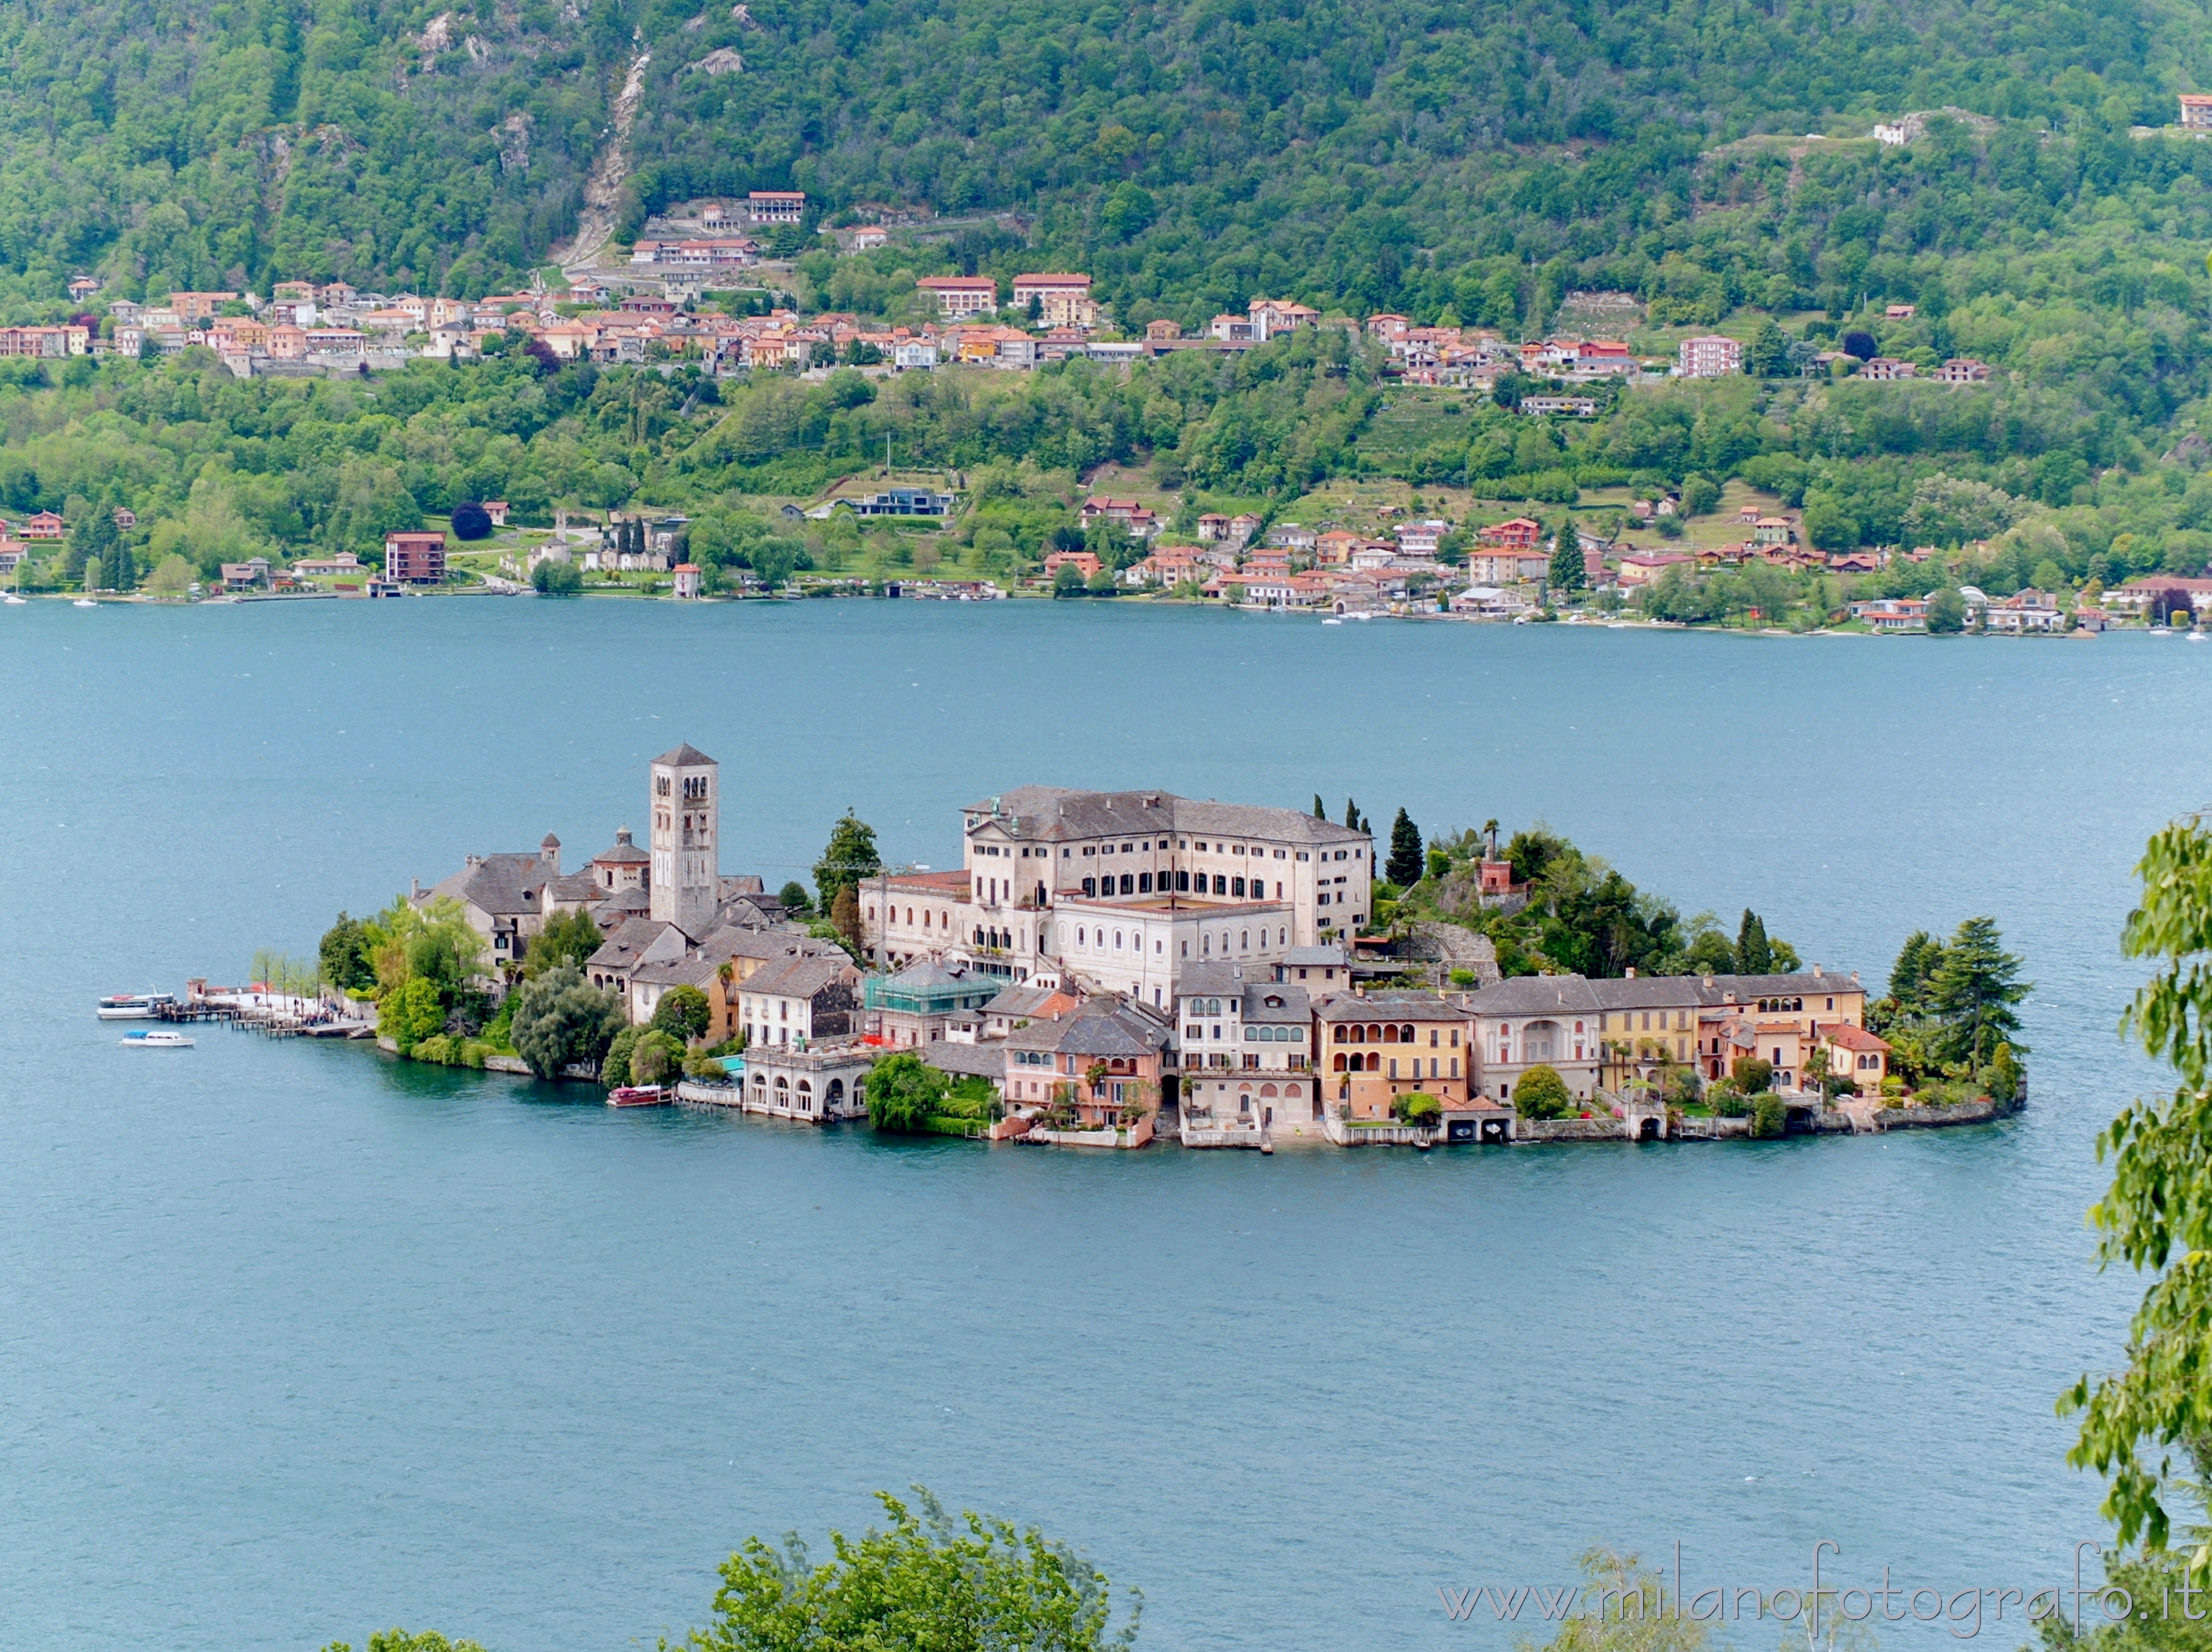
{"type": "Point", "coordinates": [639, 1096]}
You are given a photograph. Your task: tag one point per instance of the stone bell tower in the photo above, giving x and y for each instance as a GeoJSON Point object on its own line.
{"type": "Point", "coordinates": [685, 883]}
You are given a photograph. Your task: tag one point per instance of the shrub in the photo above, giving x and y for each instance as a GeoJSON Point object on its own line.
{"type": "Point", "coordinates": [1416, 1107]}
{"type": "Point", "coordinates": [471, 521]}
{"type": "Point", "coordinates": [437, 1050]}
{"type": "Point", "coordinates": [614, 1065]}
{"type": "Point", "coordinates": [551, 579]}
{"type": "Point", "coordinates": [561, 1017]}
{"type": "Point", "coordinates": [1729, 1103]}
{"type": "Point", "coordinates": [1540, 1093]}
{"type": "Point", "coordinates": [697, 1064]}
{"type": "Point", "coordinates": [411, 1012]}
{"type": "Point", "coordinates": [1752, 1074]}
{"type": "Point", "coordinates": [1767, 1116]}
{"type": "Point", "coordinates": [2003, 1078]}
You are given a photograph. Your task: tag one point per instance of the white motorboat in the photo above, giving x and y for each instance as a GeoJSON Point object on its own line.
{"type": "Point", "coordinates": [2196, 636]}
{"type": "Point", "coordinates": [84, 602]}
{"type": "Point", "coordinates": [13, 601]}
{"type": "Point", "coordinates": [155, 1041]}
{"type": "Point", "coordinates": [133, 1007]}
{"type": "Point", "coordinates": [1332, 620]}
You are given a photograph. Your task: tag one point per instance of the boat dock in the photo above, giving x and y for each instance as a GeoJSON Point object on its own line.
{"type": "Point", "coordinates": [273, 1014]}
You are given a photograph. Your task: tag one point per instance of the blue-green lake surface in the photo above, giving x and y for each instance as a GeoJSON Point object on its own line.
{"type": "Point", "coordinates": [297, 1342]}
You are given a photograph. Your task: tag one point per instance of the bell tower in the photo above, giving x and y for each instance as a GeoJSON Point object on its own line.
{"type": "Point", "coordinates": [685, 888]}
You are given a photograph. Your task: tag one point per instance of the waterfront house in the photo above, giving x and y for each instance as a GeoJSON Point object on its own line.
{"type": "Point", "coordinates": [812, 1084]}
{"type": "Point", "coordinates": [1537, 1020]}
{"type": "Point", "coordinates": [1855, 1053]}
{"type": "Point", "coordinates": [2025, 611]}
{"type": "Point", "coordinates": [1107, 1059]}
{"type": "Point", "coordinates": [1375, 1047]}
{"type": "Point", "coordinates": [1246, 1052]}
{"type": "Point", "coordinates": [1016, 1005]}
{"type": "Point", "coordinates": [1893, 613]}
{"type": "Point", "coordinates": [798, 1000]}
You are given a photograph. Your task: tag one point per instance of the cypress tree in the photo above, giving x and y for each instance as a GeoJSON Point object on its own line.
{"type": "Point", "coordinates": [1754, 957]}
{"type": "Point", "coordinates": [1405, 866]}
{"type": "Point", "coordinates": [1320, 813]}
{"type": "Point", "coordinates": [1351, 814]}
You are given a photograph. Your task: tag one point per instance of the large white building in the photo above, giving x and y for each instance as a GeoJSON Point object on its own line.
{"type": "Point", "coordinates": [1124, 890]}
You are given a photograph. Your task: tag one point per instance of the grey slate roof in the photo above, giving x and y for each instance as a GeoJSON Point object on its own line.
{"type": "Point", "coordinates": [632, 938]}
{"type": "Point", "coordinates": [1213, 981]}
{"type": "Point", "coordinates": [1104, 1026]}
{"type": "Point", "coordinates": [1536, 995]}
{"type": "Point", "coordinates": [623, 854]}
{"type": "Point", "coordinates": [686, 755]}
{"type": "Point", "coordinates": [800, 976]}
{"type": "Point", "coordinates": [505, 885]}
{"type": "Point", "coordinates": [1050, 813]}
{"type": "Point", "coordinates": [965, 1060]}
{"type": "Point", "coordinates": [1278, 1003]}
{"type": "Point", "coordinates": [1385, 1007]}
{"type": "Point", "coordinates": [1315, 957]}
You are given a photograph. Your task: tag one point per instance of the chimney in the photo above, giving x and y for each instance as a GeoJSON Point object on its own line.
{"type": "Point", "coordinates": [1816, 970]}
{"type": "Point", "coordinates": [415, 892]}
{"type": "Point", "coordinates": [1632, 972]}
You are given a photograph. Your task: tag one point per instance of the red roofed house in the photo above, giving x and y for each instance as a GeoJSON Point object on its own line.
{"type": "Point", "coordinates": [1518, 534]}
{"type": "Point", "coordinates": [1643, 566]}
{"type": "Point", "coordinates": [1855, 1053]}
{"type": "Point", "coordinates": [45, 526]}
{"type": "Point", "coordinates": [1082, 561]}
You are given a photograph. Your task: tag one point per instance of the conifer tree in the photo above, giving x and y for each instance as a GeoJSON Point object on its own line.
{"type": "Point", "coordinates": [1754, 957]}
{"type": "Point", "coordinates": [1405, 865]}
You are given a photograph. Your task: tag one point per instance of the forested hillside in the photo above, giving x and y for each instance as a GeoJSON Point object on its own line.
{"type": "Point", "coordinates": [1191, 153]}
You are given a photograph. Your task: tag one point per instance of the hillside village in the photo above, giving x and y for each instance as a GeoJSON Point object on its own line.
{"type": "Point", "coordinates": [1107, 967]}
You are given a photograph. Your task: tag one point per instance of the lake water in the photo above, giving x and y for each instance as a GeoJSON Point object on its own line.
{"type": "Point", "coordinates": [297, 1342]}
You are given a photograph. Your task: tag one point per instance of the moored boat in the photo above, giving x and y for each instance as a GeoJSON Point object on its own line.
{"type": "Point", "coordinates": [133, 1007]}
{"type": "Point", "coordinates": [155, 1041]}
{"type": "Point", "coordinates": [639, 1096]}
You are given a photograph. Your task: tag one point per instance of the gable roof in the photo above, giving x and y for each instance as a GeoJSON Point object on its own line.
{"type": "Point", "coordinates": [1051, 813]}
{"type": "Point", "coordinates": [800, 976]}
{"type": "Point", "coordinates": [505, 885]}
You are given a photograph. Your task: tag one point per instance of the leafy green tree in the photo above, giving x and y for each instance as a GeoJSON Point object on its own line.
{"type": "Point", "coordinates": [614, 1065]}
{"type": "Point", "coordinates": [399, 1640]}
{"type": "Point", "coordinates": [1404, 866]}
{"type": "Point", "coordinates": [1753, 1074]}
{"type": "Point", "coordinates": [903, 1091]}
{"type": "Point", "coordinates": [343, 954]}
{"type": "Point", "coordinates": [1769, 1118]}
{"type": "Point", "coordinates": [1416, 1107]}
{"type": "Point", "coordinates": [1067, 581]}
{"type": "Point", "coordinates": [411, 1012]}
{"type": "Point", "coordinates": [1767, 355]}
{"type": "Point", "coordinates": [554, 578]}
{"type": "Point", "coordinates": [567, 941]}
{"type": "Point", "coordinates": [683, 1013]}
{"type": "Point", "coordinates": [656, 1058]}
{"type": "Point", "coordinates": [850, 857]}
{"type": "Point", "coordinates": [1946, 612]}
{"type": "Point", "coordinates": [1540, 1093]}
{"type": "Point", "coordinates": [928, 1580]}
{"type": "Point", "coordinates": [1701, 495]}
{"type": "Point", "coordinates": [794, 900]}
{"type": "Point", "coordinates": [2156, 1216]}
{"type": "Point", "coordinates": [1754, 956]}
{"type": "Point", "coordinates": [1974, 990]}
{"type": "Point", "coordinates": [171, 578]}
{"type": "Point", "coordinates": [559, 1018]}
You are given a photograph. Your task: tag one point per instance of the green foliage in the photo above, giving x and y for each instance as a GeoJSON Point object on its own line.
{"type": "Point", "coordinates": [567, 941]}
{"type": "Point", "coordinates": [1752, 1074]}
{"type": "Point", "coordinates": [928, 1580]}
{"type": "Point", "coordinates": [552, 579]}
{"type": "Point", "coordinates": [2004, 1078]}
{"type": "Point", "coordinates": [656, 1058]}
{"type": "Point", "coordinates": [1769, 1118]}
{"type": "Point", "coordinates": [614, 1065]}
{"type": "Point", "coordinates": [1416, 1107]}
{"type": "Point", "coordinates": [559, 1018]}
{"type": "Point", "coordinates": [683, 1013]}
{"type": "Point", "coordinates": [795, 900]}
{"type": "Point", "coordinates": [850, 856]}
{"type": "Point", "coordinates": [1405, 865]}
{"type": "Point", "coordinates": [343, 954]}
{"type": "Point", "coordinates": [1974, 990]}
{"type": "Point", "coordinates": [1540, 1093]}
{"type": "Point", "coordinates": [1947, 613]}
{"type": "Point", "coordinates": [411, 1012]}
{"type": "Point", "coordinates": [399, 1640]}
{"type": "Point", "coordinates": [1754, 956]}
{"type": "Point", "coordinates": [2156, 1216]}
{"type": "Point", "coordinates": [903, 1091]}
